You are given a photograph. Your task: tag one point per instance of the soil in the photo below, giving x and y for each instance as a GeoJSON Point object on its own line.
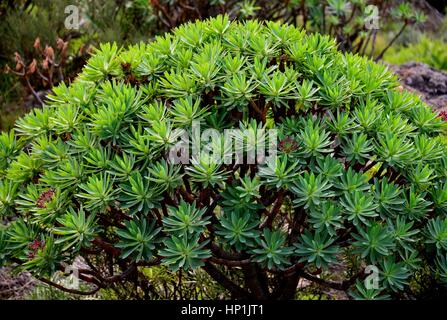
{"type": "Point", "coordinates": [429, 83]}
{"type": "Point", "coordinates": [17, 286]}
{"type": "Point", "coordinates": [14, 286]}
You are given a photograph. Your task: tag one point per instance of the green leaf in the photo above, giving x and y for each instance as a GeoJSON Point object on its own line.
{"type": "Point", "coordinates": [19, 235]}
{"type": "Point", "coordinates": [76, 230]}
{"type": "Point", "coordinates": [326, 217]}
{"type": "Point", "coordinates": [360, 207]}
{"type": "Point", "coordinates": [185, 252]}
{"type": "Point", "coordinates": [403, 232]}
{"type": "Point", "coordinates": [439, 196]}
{"type": "Point", "coordinates": [239, 229]}
{"type": "Point", "coordinates": [351, 181]}
{"type": "Point", "coordinates": [357, 148]}
{"type": "Point", "coordinates": [206, 171]}
{"type": "Point", "coordinates": [46, 259]}
{"type": "Point", "coordinates": [315, 141]}
{"type": "Point", "coordinates": [311, 190]}
{"type": "Point", "coordinates": [441, 263]}
{"type": "Point", "coordinates": [394, 275]}
{"type": "Point", "coordinates": [436, 233]}
{"type": "Point", "coordinates": [363, 293]}
{"type": "Point", "coordinates": [278, 172]}
{"type": "Point", "coordinates": [139, 195]}
{"type": "Point", "coordinates": [98, 193]}
{"type": "Point", "coordinates": [277, 89]}
{"type": "Point", "coordinates": [373, 243]}
{"type": "Point", "coordinates": [8, 193]}
{"type": "Point", "coordinates": [185, 220]}
{"type": "Point", "coordinates": [272, 251]}
{"type": "Point", "coordinates": [138, 240]}
{"type": "Point", "coordinates": [184, 111]}
{"type": "Point", "coordinates": [317, 249]}
{"type": "Point", "coordinates": [166, 175]}
{"type": "Point", "coordinates": [388, 196]}
{"type": "Point", "coordinates": [104, 63]}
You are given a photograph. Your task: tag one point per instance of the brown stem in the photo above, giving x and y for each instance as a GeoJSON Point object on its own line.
{"type": "Point", "coordinates": [220, 253]}
{"type": "Point", "coordinates": [273, 211]}
{"type": "Point", "coordinates": [304, 12]}
{"type": "Point", "coordinates": [33, 91]}
{"type": "Point", "coordinates": [380, 56]}
{"type": "Point", "coordinates": [68, 290]}
{"type": "Point", "coordinates": [187, 195]}
{"type": "Point", "coordinates": [150, 263]}
{"type": "Point", "coordinates": [288, 290]}
{"type": "Point", "coordinates": [362, 51]}
{"type": "Point", "coordinates": [255, 107]}
{"type": "Point", "coordinates": [323, 25]}
{"type": "Point", "coordinates": [236, 291]}
{"type": "Point", "coordinates": [338, 285]}
{"type": "Point", "coordinates": [373, 44]}
{"type": "Point", "coordinates": [108, 247]}
{"type": "Point", "coordinates": [230, 263]}
{"type": "Point", "coordinates": [292, 269]}
{"type": "Point", "coordinates": [252, 282]}
{"type": "Point", "coordinates": [170, 22]}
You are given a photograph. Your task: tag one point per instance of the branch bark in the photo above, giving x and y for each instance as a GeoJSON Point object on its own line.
{"type": "Point", "coordinates": [236, 291]}
{"type": "Point", "coordinates": [338, 285]}
{"type": "Point", "coordinates": [68, 290]}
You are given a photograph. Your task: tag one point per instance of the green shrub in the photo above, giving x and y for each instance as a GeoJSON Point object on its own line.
{"type": "Point", "coordinates": [88, 174]}
{"type": "Point", "coordinates": [130, 21]}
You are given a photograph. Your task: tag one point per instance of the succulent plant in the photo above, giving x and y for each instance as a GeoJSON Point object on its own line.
{"type": "Point", "coordinates": [360, 166]}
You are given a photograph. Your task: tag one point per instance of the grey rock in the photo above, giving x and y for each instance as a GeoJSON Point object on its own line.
{"type": "Point", "coordinates": [429, 83]}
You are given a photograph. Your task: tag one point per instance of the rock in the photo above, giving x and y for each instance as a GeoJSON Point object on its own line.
{"type": "Point", "coordinates": [429, 83]}
{"type": "Point", "coordinates": [433, 10]}
{"type": "Point", "coordinates": [14, 286]}
{"type": "Point", "coordinates": [17, 286]}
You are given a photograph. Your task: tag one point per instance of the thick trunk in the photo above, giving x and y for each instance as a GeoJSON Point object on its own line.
{"type": "Point", "coordinates": [285, 287]}
{"type": "Point", "coordinates": [236, 291]}
{"type": "Point", "coordinates": [255, 282]}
